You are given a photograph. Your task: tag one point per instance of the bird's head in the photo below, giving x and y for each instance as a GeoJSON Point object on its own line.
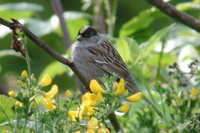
{"type": "Point", "coordinates": [86, 33]}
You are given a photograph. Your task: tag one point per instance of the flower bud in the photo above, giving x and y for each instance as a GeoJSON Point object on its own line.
{"type": "Point", "coordinates": [69, 94]}
{"type": "Point", "coordinates": [24, 74]}
{"type": "Point", "coordinates": [18, 104]}
{"type": "Point", "coordinates": [194, 92]}
{"type": "Point", "coordinates": [12, 94]}
{"type": "Point", "coordinates": [95, 87]}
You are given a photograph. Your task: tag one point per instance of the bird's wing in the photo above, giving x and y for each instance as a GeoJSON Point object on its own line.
{"type": "Point", "coordinates": [106, 57]}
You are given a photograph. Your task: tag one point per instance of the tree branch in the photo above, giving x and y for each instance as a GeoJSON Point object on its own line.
{"type": "Point", "coordinates": [45, 47]}
{"type": "Point", "coordinates": [182, 17]}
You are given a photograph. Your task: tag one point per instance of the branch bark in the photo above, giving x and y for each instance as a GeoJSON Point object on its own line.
{"type": "Point", "coordinates": [171, 11]}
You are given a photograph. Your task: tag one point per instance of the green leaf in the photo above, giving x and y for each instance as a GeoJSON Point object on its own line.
{"type": "Point", "coordinates": [148, 46]}
{"type": "Point", "coordinates": [4, 53]}
{"type": "Point", "coordinates": [142, 21]}
{"type": "Point", "coordinates": [6, 104]}
{"type": "Point", "coordinates": [54, 69]}
{"type": "Point", "coordinates": [123, 49]}
{"type": "Point", "coordinates": [134, 47]}
{"type": "Point", "coordinates": [127, 48]}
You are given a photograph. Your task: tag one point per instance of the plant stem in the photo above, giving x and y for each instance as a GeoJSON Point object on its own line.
{"type": "Point", "coordinates": [43, 128]}
{"type": "Point", "coordinates": [111, 12]}
{"type": "Point", "coordinates": [36, 114]}
{"type": "Point", "coordinates": [27, 61]}
{"type": "Point", "coordinates": [164, 41]}
{"type": "Point", "coordinates": [163, 107]}
{"type": "Point", "coordinates": [24, 128]}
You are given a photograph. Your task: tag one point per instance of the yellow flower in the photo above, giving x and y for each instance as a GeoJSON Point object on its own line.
{"type": "Point", "coordinates": [69, 94]}
{"type": "Point", "coordinates": [49, 103]}
{"type": "Point", "coordinates": [92, 123]}
{"type": "Point", "coordinates": [18, 104]}
{"type": "Point", "coordinates": [46, 80]}
{"type": "Point", "coordinates": [194, 92]}
{"type": "Point", "coordinates": [75, 114]}
{"type": "Point", "coordinates": [99, 97]}
{"type": "Point", "coordinates": [49, 98]}
{"type": "Point", "coordinates": [52, 92]}
{"type": "Point", "coordinates": [12, 94]}
{"type": "Point", "coordinates": [120, 87]}
{"type": "Point", "coordinates": [78, 132]}
{"type": "Point", "coordinates": [89, 99]}
{"type": "Point", "coordinates": [90, 130]}
{"type": "Point", "coordinates": [24, 74]}
{"type": "Point", "coordinates": [135, 97]}
{"type": "Point", "coordinates": [102, 129]}
{"type": "Point", "coordinates": [89, 110]}
{"type": "Point", "coordinates": [95, 87]}
{"type": "Point", "coordinates": [124, 108]}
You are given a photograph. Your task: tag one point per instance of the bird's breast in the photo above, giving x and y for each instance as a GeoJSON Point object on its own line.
{"type": "Point", "coordinates": [82, 60]}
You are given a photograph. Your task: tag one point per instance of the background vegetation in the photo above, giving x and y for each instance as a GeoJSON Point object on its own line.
{"type": "Point", "coordinates": [161, 53]}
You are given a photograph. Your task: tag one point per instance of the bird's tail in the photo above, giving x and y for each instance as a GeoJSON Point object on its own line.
{"type": "Point", "coordinates": [153, 106]}
{"type": "Point", "coordinates": [135, 90]}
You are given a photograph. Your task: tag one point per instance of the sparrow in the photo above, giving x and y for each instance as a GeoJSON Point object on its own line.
{"type": "Point", "coordinates": [94, 56]}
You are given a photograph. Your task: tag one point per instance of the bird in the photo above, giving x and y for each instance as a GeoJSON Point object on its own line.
{"type": "Point", "coordinates": [94, 56]}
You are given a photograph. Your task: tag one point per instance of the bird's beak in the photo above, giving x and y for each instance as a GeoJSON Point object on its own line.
{"type": "Point", "coordinates": [79, 38]}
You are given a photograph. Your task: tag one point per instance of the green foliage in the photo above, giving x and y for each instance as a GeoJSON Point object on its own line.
{"type": "Point", "coordinates": [142, 21]}
{"type": "Point", "coordinates": [54, 69]}
{"type": "Point", "coordinates": [6, 105]}
{"type": "Point", "coordinates": [4, 53]}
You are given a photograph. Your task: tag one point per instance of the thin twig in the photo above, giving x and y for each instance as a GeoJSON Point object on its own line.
{"type": "Point", "coordinates": [59, 11]}
{"type": "Point", "coordinates": [171, 11]}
